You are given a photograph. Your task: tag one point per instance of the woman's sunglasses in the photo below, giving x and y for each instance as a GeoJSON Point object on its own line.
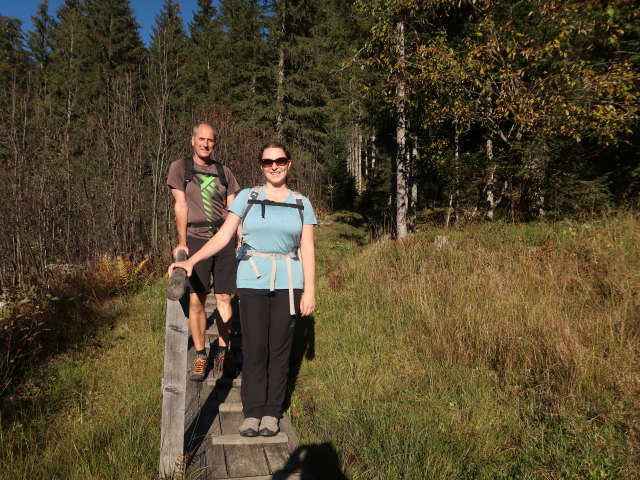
{"type": "Point", "coordinates": [280, 161]}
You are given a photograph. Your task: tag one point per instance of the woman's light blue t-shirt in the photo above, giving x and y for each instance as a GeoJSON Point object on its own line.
{"type": "Point", "coordinates": [278, 232]}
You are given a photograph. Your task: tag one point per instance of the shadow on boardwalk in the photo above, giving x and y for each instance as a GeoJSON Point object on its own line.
{"type": "Point", "coordinates": [314, 462]}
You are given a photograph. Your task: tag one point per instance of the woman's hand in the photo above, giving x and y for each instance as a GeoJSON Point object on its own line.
{"type": "Point", "coordinates": [307, 303]}
{"type": "Point", "coordinates": [186, 265]}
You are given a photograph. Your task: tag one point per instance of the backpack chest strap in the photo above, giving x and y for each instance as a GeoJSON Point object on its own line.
{"type": "Point", "coordinates": [264, 203]}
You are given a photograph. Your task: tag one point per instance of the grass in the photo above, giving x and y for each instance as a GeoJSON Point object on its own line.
{"type": "Point", "coordinates": [93, 413]}
{"type": "Point", "coordinates": [513, 354]}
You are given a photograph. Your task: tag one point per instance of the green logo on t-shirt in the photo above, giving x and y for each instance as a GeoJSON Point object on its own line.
{"type": "Point", "coordinates": [208, 188]}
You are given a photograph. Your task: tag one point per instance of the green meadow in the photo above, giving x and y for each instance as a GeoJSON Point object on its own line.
{"type": "Point", "coordinates": [511, 353]}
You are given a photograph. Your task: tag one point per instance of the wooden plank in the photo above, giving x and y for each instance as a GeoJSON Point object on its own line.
{"type": "Point", "coordinates": [192, 394]}
{"type": "Point", "coordinates": [287, 427]}
{"type": "Point", "coordinates": [277, 456]}
{"type": "Point", "coordinates": [173, 386]}
{"type": "Point", "coordinates": [237, 439]}
{"type": "Point", "coordinates": [215, 465]}
{"type": "Point", "coordinates": [278, 476]}
{"type": "Point", "coordinates": [228, 395]}
{"type": "Point", "coordinates": [225, 382]}
{"type": "Point", "coordinates": [230, 422]}
{"type": "Point", "coordinates": [245, 461]}
{"type": "Point", "coordinates": [230, 407]}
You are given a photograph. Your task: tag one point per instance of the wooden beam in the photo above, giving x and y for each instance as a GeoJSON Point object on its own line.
{"type": "Point", "coordinates": [175, 285]}
{"type": "Point", "coordinates": [174, 384]}
{"type": "Point", "coordinates": [236, 439]}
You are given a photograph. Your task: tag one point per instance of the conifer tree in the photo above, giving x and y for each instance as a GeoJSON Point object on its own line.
{"type": "Point", "coordinates": [205, 67]}
{"type": "Point", "coordinates": [167, 102]}
{"type": "Point", "coordinates": [14, 66]}
{"type": "Point", "coordinates": [246, 64]}
{"type": "Point", "coordinates": [39, 39]}
{"type": "Point", "coordinates": [301, 92]}
{"type": "Point", "coordinates": [114, 56]}
{"type": "Point", "coordinates": [67, 75]}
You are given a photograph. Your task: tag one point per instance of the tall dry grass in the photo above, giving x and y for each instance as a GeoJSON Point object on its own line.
{"type": "Point", "coordinates": [511, 354]}
{"type": "Point", "coordinates": [92, 412]}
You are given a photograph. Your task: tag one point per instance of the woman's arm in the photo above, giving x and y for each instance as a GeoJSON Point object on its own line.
{"type": "Point", "coordinates": [308, 258]}
{"type": "Point", "coordinates": [213, 246]}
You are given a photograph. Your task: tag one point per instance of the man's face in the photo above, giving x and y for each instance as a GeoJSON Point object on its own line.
{"type": "Point", "coordinates": [203, 141]}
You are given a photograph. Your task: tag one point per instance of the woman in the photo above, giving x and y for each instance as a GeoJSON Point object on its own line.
{"type": "Point", "coordinates": [275, 282]}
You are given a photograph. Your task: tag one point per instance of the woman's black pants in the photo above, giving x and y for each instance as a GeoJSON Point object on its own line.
{"type": "Point", "coordinates": [267, 332]}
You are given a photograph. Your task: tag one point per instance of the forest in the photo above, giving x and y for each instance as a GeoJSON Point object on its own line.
{"type": "Point", "coordinates": [408, 110]}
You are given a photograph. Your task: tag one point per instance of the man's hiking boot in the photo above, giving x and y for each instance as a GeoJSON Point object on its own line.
{"type": "Point", "coordinates": [199, 370]}
{"type": "Point", "coordinates": [250, 427]}
{"type": "Point", "coordinates": [222, 364]}
{"type": "Point", "coordinates": [268, 426]}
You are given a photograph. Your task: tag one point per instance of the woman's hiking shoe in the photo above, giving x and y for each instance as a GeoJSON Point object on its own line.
{"type": "Point", "coordinates": [249, 427]}
{"type": "Point", "coordinates": [268, 426]}
{"type": "Point", "coordinates": [199, 370]}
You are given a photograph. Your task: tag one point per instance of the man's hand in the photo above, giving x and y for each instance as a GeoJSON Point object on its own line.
{"type": "Point", "coordinates": [175, 251]}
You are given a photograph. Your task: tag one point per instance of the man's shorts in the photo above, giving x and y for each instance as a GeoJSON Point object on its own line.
{"type": "Point", "coordinates": [223, 265]}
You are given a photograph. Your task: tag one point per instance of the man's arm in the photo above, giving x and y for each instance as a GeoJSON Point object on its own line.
{"type": "Point", "coordinates": [181, 212]}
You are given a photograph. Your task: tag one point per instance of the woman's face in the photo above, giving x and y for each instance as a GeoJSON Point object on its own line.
{"type": "Point", "coordinates": [275, 165]}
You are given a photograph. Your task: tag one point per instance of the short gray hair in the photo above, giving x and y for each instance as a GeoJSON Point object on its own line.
{"type": "Point", "coordinates": [194, 130]}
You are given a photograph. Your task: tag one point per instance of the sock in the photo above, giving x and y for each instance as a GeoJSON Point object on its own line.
{"type": "Point", "coordinates": [202, 353]}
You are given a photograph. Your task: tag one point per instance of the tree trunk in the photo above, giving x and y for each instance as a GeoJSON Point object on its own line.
{"type": "Point", "coordinates": [400, 157]}
{"type": "Point", "coordinates": [453, 193]}
{"type": "Point", "coordinates": [490, 193]}
{"type": "Point", "coordinates": [535, 165]}
{"type": "Point", "coordinates": [280, 75]}
{"type": "Point", "coordinates": [413, 186]}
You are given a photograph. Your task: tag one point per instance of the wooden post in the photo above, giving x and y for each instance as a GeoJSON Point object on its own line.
{"type": "Point", "coordinates": [175, 377]}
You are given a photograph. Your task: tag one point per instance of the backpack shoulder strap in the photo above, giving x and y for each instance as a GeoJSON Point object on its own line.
{"type": "Point", "coordinates": [253, 195]}
{"type": "Point", "coordinates": [299, 201]}
{"type": "Point", "coordinates": [189, 171]}
{"type": "Point", "coordinates": [221, 175]}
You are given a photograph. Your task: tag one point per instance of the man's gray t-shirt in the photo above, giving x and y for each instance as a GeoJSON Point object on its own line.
{"type": "Point", "coordinates": [206, 196]}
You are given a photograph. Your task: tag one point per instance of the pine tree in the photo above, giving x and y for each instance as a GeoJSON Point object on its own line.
{"type": "Point", "coordinates": [39, 39]}
{"type": "Point", "coordinates": [245, 67]}
{"type": "Point", "coordinates": [113, 40]}
{"type": "Point", "coordinates": [67, 73]}
{"type": "Point", "coordinates": [302, 92]}
{"type": "Point", "coordinates": [14, 88]}
{"type": "Point", "coordinates": [205, 65]}
{"type": "Point", "coordinates": [114, 57]}
{"type": "Point", "coordinates": [168, 101]}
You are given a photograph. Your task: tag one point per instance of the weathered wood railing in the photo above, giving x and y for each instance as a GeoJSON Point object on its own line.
{"type": "Point", "coordinates": [175, 373]}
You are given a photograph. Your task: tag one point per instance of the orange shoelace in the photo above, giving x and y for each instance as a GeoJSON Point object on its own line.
{"type": "Point", "coordinates": [199, 365]}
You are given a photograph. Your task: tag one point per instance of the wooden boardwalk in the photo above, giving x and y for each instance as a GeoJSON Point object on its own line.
{"type": "Point", "coordinates": [212, 447]}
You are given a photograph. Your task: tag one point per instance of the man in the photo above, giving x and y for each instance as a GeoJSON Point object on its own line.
{"type": "Point", "coordinates": [203, 190]}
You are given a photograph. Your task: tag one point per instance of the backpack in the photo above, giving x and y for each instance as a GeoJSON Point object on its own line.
{"type": "Point", "coordinates": [189, 172]}
{"type": "Point", "coordinates": [253, 200]}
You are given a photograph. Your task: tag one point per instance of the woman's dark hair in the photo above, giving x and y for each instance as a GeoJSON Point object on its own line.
{"type": "Point", "coordinates": [274, 145]}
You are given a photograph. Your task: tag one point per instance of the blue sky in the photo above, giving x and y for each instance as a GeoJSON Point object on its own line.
{"type": "Point", "coordinates": [145, 12]}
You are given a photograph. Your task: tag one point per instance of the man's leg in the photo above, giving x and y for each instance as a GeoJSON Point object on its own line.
{"type": "Point", "coordinates": [223, 315]}
{"type": "Point", "coordinates": [198, 285]}
{"type": "Point", "coordinates": [197, 319]}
